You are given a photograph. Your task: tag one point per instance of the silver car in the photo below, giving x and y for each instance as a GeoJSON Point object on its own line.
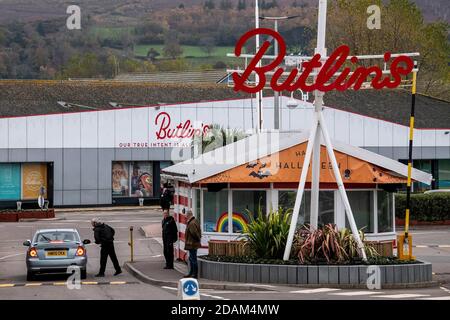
{"type": "Point", "coordinates": [54, 250]}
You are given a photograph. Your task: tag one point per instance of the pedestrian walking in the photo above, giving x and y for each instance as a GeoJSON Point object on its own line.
{"type": "Point", "coordinates": [104, 236]}
{"type": "Point", "coordinates": [170, 236]}
{"type": "Point", "coordinates": [193, 237]}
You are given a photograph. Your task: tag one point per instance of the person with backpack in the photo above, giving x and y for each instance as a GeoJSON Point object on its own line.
{"type": "Point", "coordinates": [104, 236]}
{"type": "Point", "coordinates": [170, 236]}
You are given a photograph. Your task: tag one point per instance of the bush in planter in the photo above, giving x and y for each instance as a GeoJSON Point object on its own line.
{"type": "Point", "coordinates": [424, 207]}
{"type": "Point", "coordinates": [267, 234]}
{"type": "Point", "coordinates": [328, 245]}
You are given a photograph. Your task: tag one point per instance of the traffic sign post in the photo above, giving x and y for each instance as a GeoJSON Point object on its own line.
{"type": "Point", "coordinates": [188, 289]}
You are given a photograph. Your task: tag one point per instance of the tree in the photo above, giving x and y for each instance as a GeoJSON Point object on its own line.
{"type": "Point", "coordinates": [152, 54]}
{"type": "Point", "coordinates": [242, 5]}
{"type": "Point", "coordinates": [172, 46]}
{"type": "Point", "coordinates": [208, 45]}
{"type": "Point", "coordinates": [209, 5]}
{"type": "Point", "coordinates": [225, 5]}
{"type": "Point", "coordinates": [403, 30]}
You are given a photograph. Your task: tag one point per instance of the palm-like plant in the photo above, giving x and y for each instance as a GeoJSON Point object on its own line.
{"type": "Point", "coordinates": [267, 234]}
{"type": "Point", "coordinates": [216, 137]}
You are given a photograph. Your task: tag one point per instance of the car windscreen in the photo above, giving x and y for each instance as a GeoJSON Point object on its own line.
{"type": "Point", "coordinates": [56, 237]}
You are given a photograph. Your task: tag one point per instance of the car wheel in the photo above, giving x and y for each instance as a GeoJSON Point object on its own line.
{"type": "Point", "coordinates": [83, 274]}
{"type": "Point", "coordinates": [30, 276]}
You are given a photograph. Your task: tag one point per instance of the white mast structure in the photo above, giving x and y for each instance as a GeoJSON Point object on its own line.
{"type": "Point", "coordinates": [259, 94]}
{"type": "Point", "coordinates": [318, 126]}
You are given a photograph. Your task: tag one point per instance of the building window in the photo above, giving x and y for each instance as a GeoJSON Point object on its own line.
{"type": "Point", "coordinates": [246, 204]}
{"type": "Point", "coordinates": [362, 206]}
{"type": "Point", "coordinates": [326, 207]}
{"type": "Point", "coordinates": [197, 204]}
{"type": "Point", "coordinates": [385, 211]}
{"type": "Point", "coordinates": [286, 200]}
{"type": "Point", "coordinates": [10, 182]}
{"type": "Point", "coordinates": [425, 166]}
{"type": "Point", "coordinates": [444, 174]}
{"type": "Point", "coordinates": [23, 181]}
{"type": "Point", "coordinates": [132, 179]}
{"type": "Point", "coordinates": [215, 211]}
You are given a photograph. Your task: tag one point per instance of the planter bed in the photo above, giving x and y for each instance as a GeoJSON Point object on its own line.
{"type": "Point", "coordinates": [415, 273]}
{"type": "Point", "coordinates": [15, 216]}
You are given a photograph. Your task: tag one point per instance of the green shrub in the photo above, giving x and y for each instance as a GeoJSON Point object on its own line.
{"type": "Point", "coordinates": [424, 207]}
{"type": "Point", "coordinates": [267, 234]}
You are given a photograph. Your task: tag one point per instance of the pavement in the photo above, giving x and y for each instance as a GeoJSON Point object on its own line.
{"type": "Point", "coordinates": [145, 278]}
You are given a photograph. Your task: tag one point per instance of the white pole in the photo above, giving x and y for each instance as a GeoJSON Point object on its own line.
{"type": "Point", "coordinates": [315, 175]}
{"type": "Point", "coordinates": [318, 102]}
{"type": "Point", "coordinates": [301, 188]}
{"type": "Point", "coordinates": [340, 184]}
{"type": "Point", "coordinates": [259, 94]}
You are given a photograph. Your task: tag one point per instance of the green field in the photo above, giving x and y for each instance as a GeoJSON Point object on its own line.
{"type": "Point", "coordinates": [220, 53]}
{"type": "Point", "coordinates": [113, 33]}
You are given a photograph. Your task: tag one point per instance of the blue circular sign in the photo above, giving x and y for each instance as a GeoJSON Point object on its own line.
{"type": "Point", "coordinates": [190, 288]}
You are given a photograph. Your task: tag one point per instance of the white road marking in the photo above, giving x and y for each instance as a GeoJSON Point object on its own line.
{"type": "Point", "coordinates": [421, 246]}
{"type": "Point", "coordinates": [11, 255]}
{"type": "Point", "coordinates": [356, 293]}
{"type": "Point", "coordinates": [214, 297]}
{"type": "Point", "coordinates": [318, 290]}
{"type": "Point", "coordinates": [402, 296]}
{"type": "Point", "coordinates": [444, 246]}
{"type": "Point", "coordinates": [169, 288]}
{"type": "Point", "coordinates": [436, 298]}
{"type": "Point", "coordinates": [445, 289]}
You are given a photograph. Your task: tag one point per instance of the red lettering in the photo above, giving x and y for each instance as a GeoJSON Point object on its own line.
{"type": "Point", "coordinates": [182, 130]}
{"type": "Point", "coordinates": [400, 66]}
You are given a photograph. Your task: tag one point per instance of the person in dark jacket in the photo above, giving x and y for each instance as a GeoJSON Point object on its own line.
{"type": "Point", "coordinates": [170, 236]}
{"type": "Point", "coordinates": [104, 236]}
{"type": "Point", "coordinates": [193, 236]}
{"type": "Point", "coordinates": [166, 198]}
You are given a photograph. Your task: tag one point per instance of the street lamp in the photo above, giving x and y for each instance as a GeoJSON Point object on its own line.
{"type": "Point", "coordinates": [276, 94]}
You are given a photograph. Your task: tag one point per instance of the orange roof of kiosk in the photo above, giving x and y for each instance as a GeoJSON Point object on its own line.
{"type": "Point", "coordinates": [278, 157]}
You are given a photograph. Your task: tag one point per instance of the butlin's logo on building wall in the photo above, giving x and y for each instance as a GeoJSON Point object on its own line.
{"type": "Point", "coordinates": [164, 131]}
{"type": "Point", "coordinates": [169, 134]}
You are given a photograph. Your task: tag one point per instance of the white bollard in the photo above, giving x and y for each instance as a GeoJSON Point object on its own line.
{"type": "Point", "coordinates": [188, 289]}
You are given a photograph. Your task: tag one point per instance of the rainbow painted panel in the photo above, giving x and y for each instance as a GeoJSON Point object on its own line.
{"type": "Point", "coordinates": [239, 222]}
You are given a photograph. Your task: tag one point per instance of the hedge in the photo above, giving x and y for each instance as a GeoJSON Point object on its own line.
{"type": "Point", "coordinates": [424, 207]}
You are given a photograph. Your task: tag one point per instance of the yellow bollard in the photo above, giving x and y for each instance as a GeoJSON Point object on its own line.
{"type": "Point", "coordinates": [404, 249]}
{"type": "Point", "coordinates": [131, 244]}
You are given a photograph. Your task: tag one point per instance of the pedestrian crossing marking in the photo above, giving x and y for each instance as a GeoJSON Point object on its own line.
{"type": "Point", "coordinates": [356, 293]}
{"type": "Point", "coordinates": [402, 296]}
{"type": "Point", "coordinates": [318, 290]}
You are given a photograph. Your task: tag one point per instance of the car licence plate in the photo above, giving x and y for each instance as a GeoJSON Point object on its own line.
{"type": "Point", "coordinates": [56, 254]}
